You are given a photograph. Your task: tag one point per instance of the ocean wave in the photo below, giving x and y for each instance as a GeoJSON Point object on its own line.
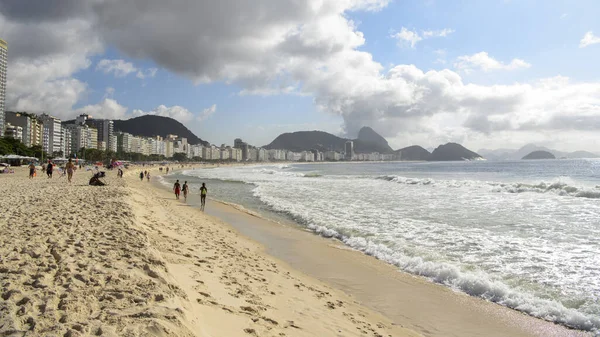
{"type": "Point", "coordinates": [557, 187]}
{"type": "Point", "coordinates": [474, 283]}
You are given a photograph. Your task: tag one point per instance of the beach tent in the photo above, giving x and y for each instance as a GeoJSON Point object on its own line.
{"type": "Point", "coordinates": [16, 160]}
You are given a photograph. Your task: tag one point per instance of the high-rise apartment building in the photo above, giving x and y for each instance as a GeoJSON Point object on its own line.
{"type": "Point", "coordinates": [54, 133]}
{"type": "Point", "coordinates": [37, 132]}
{"type": "Point", "coordinates": [349, 149]}
{"type": "Point", "coordinates": [3, 68]}
{"type": "Point", "coordinates": [20, 120]}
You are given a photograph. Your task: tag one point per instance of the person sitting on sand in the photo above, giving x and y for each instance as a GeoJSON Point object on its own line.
{"type": "Point", "coordinates": [31, 170]}
{"type": "Point", "coordinates": [49, 169]}
{"type": "Point", "coordinates": [185, 188]}
{"type": "Point", "coordinates": [203, 192]}
{"type": "Point", "coordinates": [70, 168]}
{"type": "Point", "coordinates": [177, 189]}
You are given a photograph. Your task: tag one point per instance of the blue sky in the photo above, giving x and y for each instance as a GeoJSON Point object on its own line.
{"type": "Point", "coordinates": [542, 39]}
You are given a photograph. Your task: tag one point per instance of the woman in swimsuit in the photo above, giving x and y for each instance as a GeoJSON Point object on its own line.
{"type": "Point", "coordinates": [70, 167]}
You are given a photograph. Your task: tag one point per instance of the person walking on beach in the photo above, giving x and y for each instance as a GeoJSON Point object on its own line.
{"type": "Point", "coordinates": [49, 169]}
{"type": "Point", "coordinates": [167, 170]}
{"type": "Point", "coordinates": [142, 176]}
{"type": "Point", "coordinates": [70, 167]}
{"type": "Point", "coordinates": [185, 188]}
{"type": "Point", "coordinates": [31, 170]}
{"type": "Point", "coordinates": [148, 175]}
{"type": "Point", "coordinates": [203, 192]}
{"type": "Point", "coordinates": [177, 189]}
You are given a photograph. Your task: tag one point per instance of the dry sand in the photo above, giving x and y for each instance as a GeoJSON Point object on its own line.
{"type": "Point", "coordinates": [128, 260]}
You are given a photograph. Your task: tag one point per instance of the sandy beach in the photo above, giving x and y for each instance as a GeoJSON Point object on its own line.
{"type": "Point", "coordinates": [128, 259]}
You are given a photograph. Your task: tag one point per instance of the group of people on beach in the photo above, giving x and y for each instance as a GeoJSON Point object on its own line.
{"type": "Point", "coordinates": [145, 174]}
{"type": "Point", "coordinates": [178, 189]}
{"type": "Point", "coordinates": [49, 167]}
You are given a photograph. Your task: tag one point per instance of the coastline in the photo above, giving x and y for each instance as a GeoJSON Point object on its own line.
{"type": "Point", "coordinates": [407, 299]}
{"type": "Point", "coordinates": [128, 259]}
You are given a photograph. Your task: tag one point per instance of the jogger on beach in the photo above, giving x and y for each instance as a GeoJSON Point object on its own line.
{"type": "Point", "coordinates": [203, 192]}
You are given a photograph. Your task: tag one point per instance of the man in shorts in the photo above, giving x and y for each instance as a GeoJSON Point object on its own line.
{"type": "Point", "coordinates": [177, 189]}
{"type": "Point", "coordinates": [49, 169]}
{"type": "Point", "coordinates": [31, 170]}
{"type": "Point", "coordinates": [203, 192]}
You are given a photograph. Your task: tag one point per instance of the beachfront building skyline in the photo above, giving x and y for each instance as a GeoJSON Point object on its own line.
{"type": "Point", "coordinates": [3, 73]}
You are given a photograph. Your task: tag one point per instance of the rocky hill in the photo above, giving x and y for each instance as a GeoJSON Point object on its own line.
{"type": "Point", "coordinates": [150, 126]}
{"type": "Point", "coordinates": [539, 155]}
{"type": "Point", "coordinates": [368, 141]}
{"type": "Point", "coordinates": [453, 152]}
{"type": "Point", "coordinates": [367, 137]}
{"type": "Point", "coordinates": [414, 152]}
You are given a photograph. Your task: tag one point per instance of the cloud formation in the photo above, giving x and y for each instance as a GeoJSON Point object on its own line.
{"type": "Point", "coordinates": [483, 61]}
{"type": "Point", "coordinates": [306, 47]}
{"type": "Point", "coordinates": [207, 112]}
{"type": "Point", "coordinates": [589, 39]}
{"type": "Point", "coordinates": [410, 37]}
{"type": "Point", "coordinates": [119, 68]}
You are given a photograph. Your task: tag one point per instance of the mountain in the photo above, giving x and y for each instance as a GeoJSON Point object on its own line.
{"type": "Point", "coordinates": [452, 152]}
{"type": "Point", "coordinates": [151, 125]}
{"type": "Point", "coordinates": [414, 152]}
{"type": "Point", "coordinates": [512, 154]}
{"type": "Point", "coordinates": [581, 154]}
{"type": "Point", "coordinates": [539, 155]}
{"type": "Point", "coordinates": [306, 141]}
{"type": "Point", "coordinates": [368, 141]}
{"type": "Point", "coordinates": [369, 138]}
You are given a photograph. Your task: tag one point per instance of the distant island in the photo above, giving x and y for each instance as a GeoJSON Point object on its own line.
{"type": "Point", "coordinates": [539, 155]}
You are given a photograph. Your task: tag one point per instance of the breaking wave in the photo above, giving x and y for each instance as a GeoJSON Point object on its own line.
{"type": "Point", "coordinates": [557, 187]}
{"type": "Point", "coordinates": [478, 284]}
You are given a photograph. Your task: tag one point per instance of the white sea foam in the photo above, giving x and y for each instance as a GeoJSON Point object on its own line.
{"type": "Point", "coordinates": [527, 245]}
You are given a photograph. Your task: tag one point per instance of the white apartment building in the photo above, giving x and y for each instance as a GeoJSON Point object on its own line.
{"type": "Point", "coordinates": [13, 131]}
{"type": "Point", "coordinates": [224, 153]}
{"type": "Point", "coordinates": [54, 132]}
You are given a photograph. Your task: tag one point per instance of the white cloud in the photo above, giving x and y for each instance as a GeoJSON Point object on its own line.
{"type": "Point", "coordinates": [119, 68]}
{"type": "Point", "coordinates": [176, 112]}
{"type": "Point", "coordinates": [487, 63]}
{"type": "Point", "coordinates": [437, 33]}
{"type": "Point", "coordinates": [151, 72]}
{"type": "Point", "coordinates": [589, 39]}
{"type": "Point", "coordinates": [407, 36]}
{"type": "Point", "coordinates": [564, 16]}
{"type": "Point", "coordinates": [207, 112]}
{"type": "Point", "coordinates": [107, 109]}
{"type": "Point", "coordinates": [410, 37]}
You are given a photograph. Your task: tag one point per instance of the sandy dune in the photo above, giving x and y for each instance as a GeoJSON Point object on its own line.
{"type": "Point", "coordinates": [129, 260]}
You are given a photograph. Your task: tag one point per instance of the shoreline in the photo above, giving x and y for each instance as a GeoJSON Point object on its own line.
{"type": "Point", "coordinates": [127, 259]}
{"type": "Point", "coordinates": [459, 308]}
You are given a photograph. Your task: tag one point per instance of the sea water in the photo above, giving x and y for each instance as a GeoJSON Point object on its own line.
{"type": "Point", "coordinates": [523, 234]}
